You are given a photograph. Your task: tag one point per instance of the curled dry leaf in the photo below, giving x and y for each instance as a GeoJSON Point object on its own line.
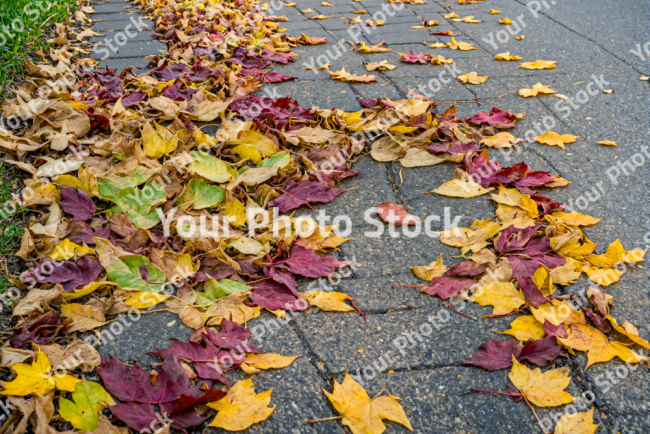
{"type": "Point", "coordinates": [505, 20]}
{"type": "Point", "coordinates": [382, 66]}
{"type": "Point", "coordinates": [472, 78]}
{"type": "Point", "coordinates": [343, 75]}
{"type": "Point", "coordinates": [462, 46]}
{"type": "Point", "coordinates": [461, 188]}
{"type": "Point", "coordinates": [539, 64]}
{"type": "Point", "coordinates": [506, 56]}
{"type": "Point", "coordinates": [607, 143]}
{"type": "Point", "coordinates": [538, 89]}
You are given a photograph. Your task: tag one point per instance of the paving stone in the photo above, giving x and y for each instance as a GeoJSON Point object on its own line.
{"type": "Point", "coordinates": [121, 64]}
{"type": "Point", "coordinates": [131, 49]}
{"type": "Point", "coordinates": [117, 16]}
{"type": "Point", "coordinates": [119, 26]}
{"type": "Point", "coordinates": [339, 94]}
{"type": "Point", "coordinates": [112, 7]}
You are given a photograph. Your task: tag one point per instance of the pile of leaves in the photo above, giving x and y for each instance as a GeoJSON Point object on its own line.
{"type": "Point", "coordinates": [136, 204]}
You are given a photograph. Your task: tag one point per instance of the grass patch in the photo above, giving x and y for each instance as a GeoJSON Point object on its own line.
{"type": "Point", "coordinates": [11, 226]}
{"type": "Point", "coordinates": [22, 27]}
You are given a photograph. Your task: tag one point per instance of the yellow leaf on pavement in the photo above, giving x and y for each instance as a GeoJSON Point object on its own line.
{"type": "Point", "coordinates": [502, 295]}
{"type": "Point", "coordinates": [628, 330]}
{"type": "Point", "coordinates": [583, 337]}
{"type": "Point", "coordinates": [607, 143]}
{"type": "Point", "coordinates": [505, 20]}
{"type": "Point", "coordinates": [382, 66]}
{"type": "Point", "coordinates": [241, 407]}
{"type": "Point", "coordinates": [472, 78]}
{"type": "Point", "coordinates": [544, 389]}
{"type": "Point", "coordinates": [525, 328]}
{"type": "Point", "coordinates": [577, 423]}
{"type": "Point", "coordinates": [428, 272]}
{"type": "Point", "coordinates": [557, 312]}
{"type": "Point", "coordinates": [38, 378]}
{"type": "Point", "coordinates": [362, 414]}
{"type": "Point", "coordinates": [328, 301]}
{"type": "Point", "coordinates": [538, 89]}
{"type": "Point", "coordinates": [343, 75]}
{"type": "Point", "coordinates": [461, 188]}
{"type": "Point", "coordinates": [539, 64]}
{"type": "Point", "coordinates": [500, 140]}
{"type": "Point", "coordinates": [506, 56]}
{"type": "Point", "coordinates": [256, 362]}
{"type": "Point", "coordinates": [554, 139]}
{"type": "Point", "coordinates": [461, 46]}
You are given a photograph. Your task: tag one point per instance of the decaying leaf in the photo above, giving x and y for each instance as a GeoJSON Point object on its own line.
{"type": "Point", "coordinates": [461, 188]}
{"type": "Point", "coordinates": [472, 78]}
{"type": "Point", "coordinates": [343, 75]}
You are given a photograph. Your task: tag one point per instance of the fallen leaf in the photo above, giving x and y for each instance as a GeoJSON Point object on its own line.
{"type": "Point", "coordinates": [506, 56]}
{"type": "Point", "coordinates": [505, 21]}
{"type": "Point", "coordinates": [502, 295]}
{"type": "Point", "coordinates": [461, 188]}
{"type": "Point", "coordinates": [539, 64]}
{"type": "Point", "coordinates": [343, 75]}
{"type": "Point", "coordinates": [554, 139]}
{"type": "Point", "coordinates": [607, 143]}
{"type": "Point", "coordinates": [472, 78]}
{"type": "Point", "coordinates": [462, 46]}
{"type": "Point", "coordinates": [89, 399]}
{"type": "Point", "coordinates": [382, 66]}
{"type": "Point", "coordinates": [241, 407]}
{"type": "Point", "coordinates": [544, 389]}
{"type": "Point", "coordinates": [428, 272]}
{"type": "Point", "coordinates": [577, 423]}
{"type": "Point", "coordinates": [362, 414]}
{"type": "Point", "coordinates": [538, 89]}
{"type": "Point", "coordinates": [396, 214]}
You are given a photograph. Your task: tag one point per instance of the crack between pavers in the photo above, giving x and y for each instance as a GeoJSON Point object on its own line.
{"type": "Point", "coordinates": [420, 367]}
{"type": "Point", "coordinates": [398, 195]}
{"type": "Point", "coordinates": [585, 37]}
{"type": "Point", "coordinates": [311, 354]}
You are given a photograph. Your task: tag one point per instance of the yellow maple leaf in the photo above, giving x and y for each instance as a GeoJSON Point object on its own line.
{"type": "Point", "coordinates": [538, 89]}
{"type": "Point", "coordinates": [578, 423]}
{"type": "Point", "coordinates": [462, 46]}
{"type": "Point", "coordinates": [241, 407]}
{"type": "Point", "coordinates": [320, 17]}
{"type": "Point", "coordinates": [38, 378]}
{"type": "Point", "coordinates": [557, 312]}
{"type": "Point", "coordinates": [616, 253]}
{"type": "Point", "coordinates": [343, 75]}
{"type": "Point", "coordinates": [256, 362]}
{"type": "Point", "coordinates": [472, 78]}
{"type": "Point", "coordinates": [607, 143]}
{"type": "Point", "coordinates": [525, 328]}
{"type": "Point", "coordinates": [330, 301]}
{"type": "Point", "coordinates": [501, 140]}
{"type": "Point", "coordinates": [428, 272]}
{"type": "Point", "coordinates": [554, 139]}
{"type": "Point", "coordinates": [503, 296]}
{"type": "Point", "coordinates": [544, 389]}
{"type": "Point", "coordinates": [158, 142]}
{"type": "Point", "coordinates": [362, 414]}
{"type": "Point", "coordinates": [451, 15]}
{"type": "Point", "coordinates": [583, 337]}
{"type": "Point", "coordinates": [628, 330]}
{"type": "Point", "coordinates": [461, 188]}
{"type": "Point", "coordinates": [539, 64]}
{"type": "Point", "coordinates": [66, 249]}
{"type": "Point", "coordinates": [506, 56]}
{"type": "Point", "coordinates": [572, 218]}
{"type": "Point", "coordinates": [506, 20]}
{"type": "Point", "coordinates": [377, 48]}
{"type": "Point", "coordinates": [468, 19]}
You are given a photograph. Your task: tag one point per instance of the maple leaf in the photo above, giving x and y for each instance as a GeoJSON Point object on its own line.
{"type": "Point", "coordinates": [38, 378]}
{"type": "Point", "coordinates": [506, 56]}
{"type": "Point", "coordinates": [461, 188]}
{"type": "Point", "coordinates": [628, 330]}
{"type": "Point", "coordinates": [77, 203]}
{"type": "Point", "coordinates": [599, 349]}
{"type": "Point", "coordinates": [330, 301]}
{"type": "Point", "coordinates": [444, 287]}
{"type": "Point", "coordinates": [468, 19]}
{"type": "Point", "coordinates": [494, 12]}
{"type": "Point", "coordinates": [539, 64]}
{"type": "Point", "coordinates": [69, 274]}
{"type": "Point", "coordinates": [308, 263]}
{"type": "Point", "coordinates": [542, 389]}
{"type": "Point", "coordinates": [377, 48]}
{"type": "Point", "coordinates": [525, 328]}
{"type": "Point", "coordinates": [382, 66]}
{"type": "Point", "coordinates": [362, 414]}
{"type": "Point", "coordinates": [500, 140]}
{"type": "Point", "coordinates": [554, 139]}
{"type": "Point", "coordinates": [302, 193]}
{"type": "Point", "coordinates": [396, 214]}
{"type": "Point", "coordinates": [254, 363]}
{"type": "Point", "coordinates": [343, 75]}
{"type": "Point", "coordinates": [577, 423]}
{"type": "Point", "coordinates": [446, 33]}
{"type": "Point", "coordinates": [538, 89]}
{"type": "Point", "coordinates": [502, 295]}
{"type": "Point", "coordinates": [39, 331]}
{"type": "Point", "coordinates": [428, 272]}
{"type": "Point", "coordinates": [415, 58]}
{"type": "Point", "coordinates": [241, 407]}
{"type": "Point", "coordinates": [505, 21]}
{"type": "Point", "coordinates": [320, 17]}
{"type": "Point", "coordinates": [89, 399]}
{"type": "Point", "coordinates": [472, 78]}
{"type": "Point", "coordinates": [456, 45]}
{"type": "Point", "coordinates": [494, 355]}
{"type": "Point", "coordinates": [499, 118]}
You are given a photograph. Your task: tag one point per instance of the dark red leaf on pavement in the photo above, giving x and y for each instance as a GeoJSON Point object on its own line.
{"type": "Point", "coordinates": [540, 352]}
{"type": "Point", "coordinates": [396, 214]}
{"type": "Point", "coordinates": [559, 331]}
{"type": "Point", "coordinates": [466, 269]}
{"type": "Point", "coordinates": [495, 354]}
{"type": "Point", "coordinates": [445, 287]}
{"type": "Point", "coordinates": [298, 194]}
{"type": "Point", "coordinates": [308, 263]}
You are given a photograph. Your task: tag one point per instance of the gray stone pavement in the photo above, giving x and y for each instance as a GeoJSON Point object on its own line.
{"type": "Point", "coordinates": [586, 39]}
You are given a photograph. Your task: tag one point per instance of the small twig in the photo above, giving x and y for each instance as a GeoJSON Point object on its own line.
{"type": "Point", "coordinates": [408, 286]}
{"type": "Point", "coordinates": [507, 94]}
{"type": "Point", "coordinates": [460, 313]}
{"type": "Point", "coordinates": [512, 395]}
{"type": "Point", "coordinates": [324, 419]}
{"type": "Point", "coordinates": [498, 315]}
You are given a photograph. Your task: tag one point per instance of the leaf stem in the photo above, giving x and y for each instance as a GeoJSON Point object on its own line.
{"type": "Point", "coordinates": [461, 313]}
{"type": "Point", "coordinates": [324, 419]}
{"type": "Point", "coordinates": [533, 410]}
{"type": "Point", "coordinates": [512, 395]}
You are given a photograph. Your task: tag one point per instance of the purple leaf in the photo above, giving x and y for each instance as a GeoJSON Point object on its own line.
{"type": "Point", "coordinates": [495, 354]}
{"type": "Point", "coordinates": [308, 263]}
{"type": "Point", "coordinates": [77, 203]}
{"type": "Point", "coordinates": [540, 352]}
{"type": "Point", "coordinates": [70, 274]}
{"type": "Point", "coordinates": [302, 193]}
{"type": "Point", "coordinates": [466, 269]}
{"type": "Point", "coordinates": [445, 287]}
